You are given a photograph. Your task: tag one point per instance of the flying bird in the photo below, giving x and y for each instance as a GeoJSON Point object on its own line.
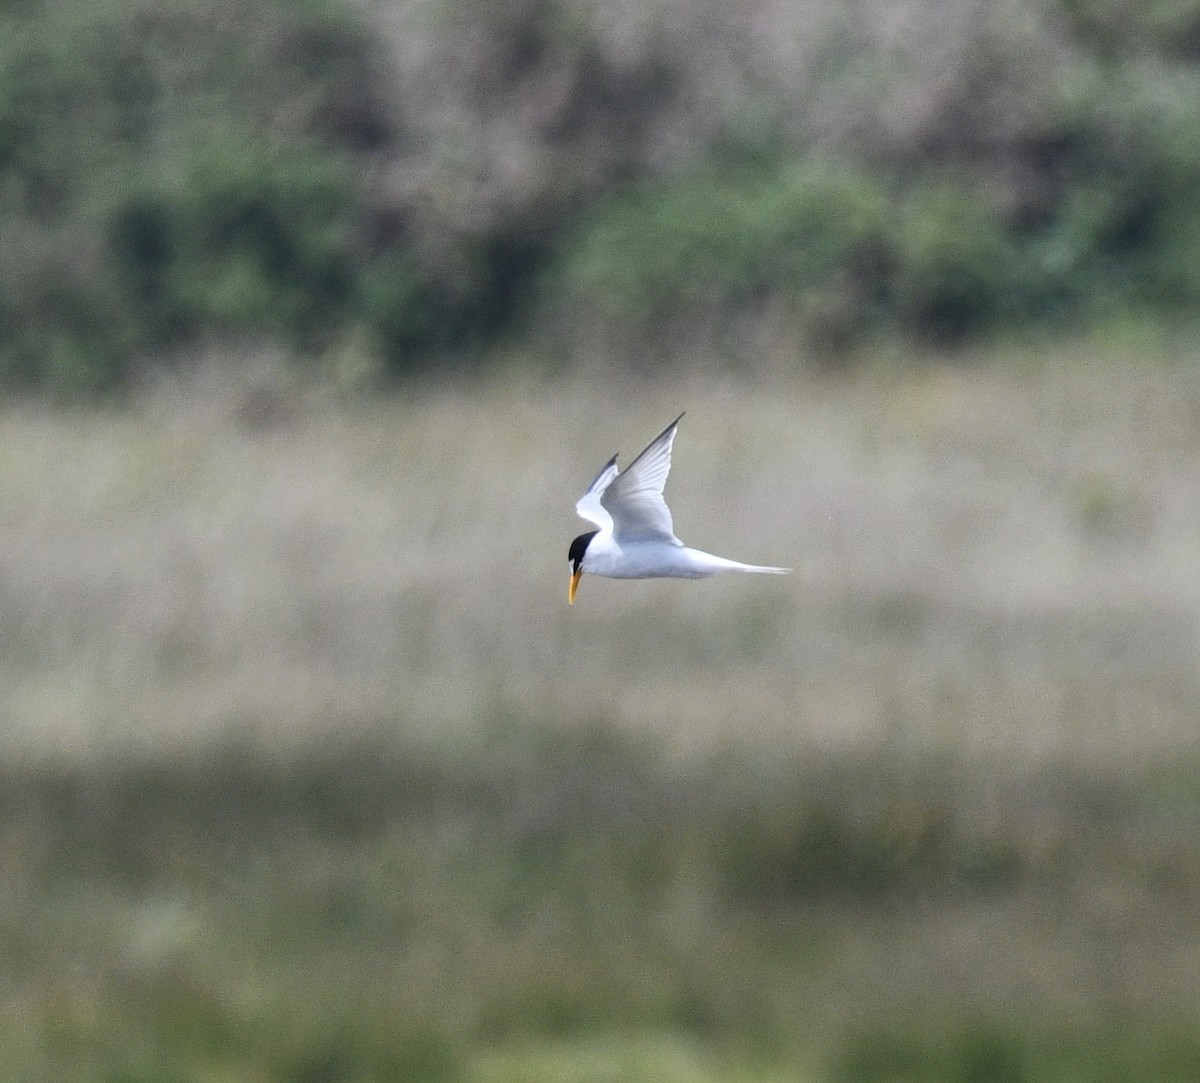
{"type": "Point", "coordinates": [636, 538]}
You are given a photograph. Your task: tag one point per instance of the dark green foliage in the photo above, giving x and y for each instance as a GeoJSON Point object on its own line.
{"type": "Point", "coordinates": [385, 910]}
{"type": "Point", "coordinates": [174, 172]}
{"type": "Point", "coordinates": [976, 1055]}
{"type": "Point", "coordinates": [990, 1053]}
{"type": "Point", "coordinates": [935, 261]}
{"type": "Point", "coordinates": [247, 240]}
{"type": "Point", "coordinates": [850, 253]}
{"type": "Point", "coordinates": [168, 172]}
{"type": "Point", "coordinates": [1112, 27]}
{"type": "Point", "coordinates": [663, 251]}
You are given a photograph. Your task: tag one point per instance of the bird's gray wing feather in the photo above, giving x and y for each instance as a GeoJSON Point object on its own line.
{"type": "Point", "coordinates": [634, 498]}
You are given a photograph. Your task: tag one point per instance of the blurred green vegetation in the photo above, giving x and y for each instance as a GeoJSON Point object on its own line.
{"type": "Point", "coordinates": [308, 772]}
{"type": "Point", "coordinates": [489, 908]}
{"type": "Point", "coordinates": [426, 183]}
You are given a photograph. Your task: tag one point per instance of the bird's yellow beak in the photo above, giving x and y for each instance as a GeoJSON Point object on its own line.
{"type": "Point", "coordinates": [575, 577]}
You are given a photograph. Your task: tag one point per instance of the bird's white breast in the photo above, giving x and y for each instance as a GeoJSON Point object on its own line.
{"type": "Point", "coordinates": [645, 560]}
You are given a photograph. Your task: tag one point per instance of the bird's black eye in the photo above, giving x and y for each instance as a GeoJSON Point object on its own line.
{"type": "Point", "coordinates": [579, 547]}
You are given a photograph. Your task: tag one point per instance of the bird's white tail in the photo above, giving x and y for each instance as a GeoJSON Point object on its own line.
{"type": "Point", "coordinates": [697, 564]}
{"type": "Point", "coordinates": [723, 564]}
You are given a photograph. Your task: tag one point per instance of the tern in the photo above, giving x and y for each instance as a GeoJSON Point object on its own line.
{"type": "Point", "coordinates": [636, 538]}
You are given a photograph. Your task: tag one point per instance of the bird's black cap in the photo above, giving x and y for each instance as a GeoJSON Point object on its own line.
{"type": "Point", "coordinates": [578, 548]}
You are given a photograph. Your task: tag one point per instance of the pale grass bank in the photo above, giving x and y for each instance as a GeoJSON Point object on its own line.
{"type": "Point", "coordinates": [990, 559]}
{"type": "Point", "coordinates": [309, 772]}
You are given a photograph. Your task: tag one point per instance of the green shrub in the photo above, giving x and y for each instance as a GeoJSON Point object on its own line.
{"type": "Point", "coordinates": [174, 171]}
{"type": "Point", "coordinates": [955, 268]}
{"type": "Point", "coordinates": [935, 261]}
{"type": "Point", "coordinates": [1116, 27]}
{"type": "Point", "coordinates": [64, 330]}
{"type": "Point", "coordinates": [245, 238]}
{"type": "Point", "coordinates": [979, 1052]}
{"type": "Point", "coordinates": [701, 248]}
{"type": "Point", "coordinates": [423, 181]}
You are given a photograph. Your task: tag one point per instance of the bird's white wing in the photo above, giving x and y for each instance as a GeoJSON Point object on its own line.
{"type": "Point", "coordinates": [634, 499]}
{"type": "Point", "coordinates": [588, 506]}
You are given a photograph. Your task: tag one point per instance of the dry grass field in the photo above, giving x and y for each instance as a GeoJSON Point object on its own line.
{"type": "Point", "coordinates": [310, 773]}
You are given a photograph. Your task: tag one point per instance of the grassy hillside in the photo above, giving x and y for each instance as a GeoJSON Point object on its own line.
{"type": "Point", "coordinates": [309, 772]}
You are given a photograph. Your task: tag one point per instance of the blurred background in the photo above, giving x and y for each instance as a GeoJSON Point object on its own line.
{"type": "Point", "coordinates": [315, 320]}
